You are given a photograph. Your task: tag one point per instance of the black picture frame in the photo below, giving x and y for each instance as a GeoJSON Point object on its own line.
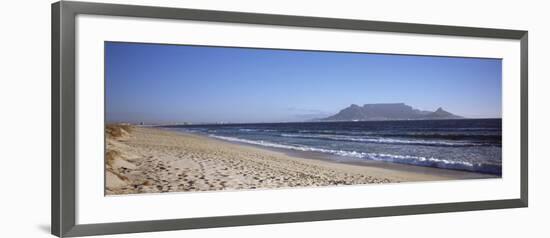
{"type": "Point", "coordinates": [63, 211]}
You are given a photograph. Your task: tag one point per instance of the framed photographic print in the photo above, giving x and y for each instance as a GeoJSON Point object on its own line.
{"type": "Point", "coordinates": [167, 118]}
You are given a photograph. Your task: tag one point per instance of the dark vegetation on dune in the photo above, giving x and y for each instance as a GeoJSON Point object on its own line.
{"type": "Point", "coordinates": [117, 130]}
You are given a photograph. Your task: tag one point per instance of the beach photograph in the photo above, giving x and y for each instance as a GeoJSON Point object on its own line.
{"type": "Point", "coordinates": [186, 118]}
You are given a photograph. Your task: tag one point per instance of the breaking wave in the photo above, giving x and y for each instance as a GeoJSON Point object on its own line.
{"type": "Point", "coordinates": [403, 159]}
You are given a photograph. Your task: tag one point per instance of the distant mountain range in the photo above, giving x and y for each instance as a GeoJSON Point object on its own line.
{"type": "Point", "coordinates": [388, 111]}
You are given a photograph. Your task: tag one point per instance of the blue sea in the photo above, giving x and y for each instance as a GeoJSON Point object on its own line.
{"type": "Point", "coordinates": [468, 144]}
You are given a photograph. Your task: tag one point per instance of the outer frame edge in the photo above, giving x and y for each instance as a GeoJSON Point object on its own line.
{"type": "Point", "coordinates": [67, 130]}
{"type": "Point", "coordinates": [55, 120]}
{"type": "Point", "coordinates": [524, 68]}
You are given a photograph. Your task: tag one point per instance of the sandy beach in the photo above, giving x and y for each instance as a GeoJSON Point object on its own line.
{"type": "Point", "coordinates": [151, 160]}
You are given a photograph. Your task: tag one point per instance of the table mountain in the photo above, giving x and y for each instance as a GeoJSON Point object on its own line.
{"type": "Point", "coordinates": [388, 111]}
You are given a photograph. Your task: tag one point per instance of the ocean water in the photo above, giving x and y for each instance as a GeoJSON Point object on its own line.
{"type": "Point", "coordinates": [468, 145]}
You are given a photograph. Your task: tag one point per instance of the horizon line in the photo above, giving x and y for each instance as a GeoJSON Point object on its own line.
{"type": "Point", "coordinates": [281, 122]}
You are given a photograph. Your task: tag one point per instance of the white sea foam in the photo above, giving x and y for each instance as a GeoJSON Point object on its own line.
{"type": "Point", "coordinates": [408, 159]}
{"type": "Point", "coordinates": [248, 130]}
{"type": "Point", "coordinates": [274, 145]}
{"type": "Point", "coordinates": [383, 140]}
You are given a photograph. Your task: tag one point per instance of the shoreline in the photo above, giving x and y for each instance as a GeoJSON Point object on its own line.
{"type": "Point", "coordinates": [153, 160]}
{"type": "Point", "coordinates": [310, 155]}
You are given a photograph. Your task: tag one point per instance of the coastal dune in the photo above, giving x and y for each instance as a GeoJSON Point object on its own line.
{"type": "Point", "coordinates": [152, 160]}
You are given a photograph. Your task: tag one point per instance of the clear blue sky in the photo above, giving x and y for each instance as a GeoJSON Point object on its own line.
{"type": "Point", "coordinates": [155, 83]}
